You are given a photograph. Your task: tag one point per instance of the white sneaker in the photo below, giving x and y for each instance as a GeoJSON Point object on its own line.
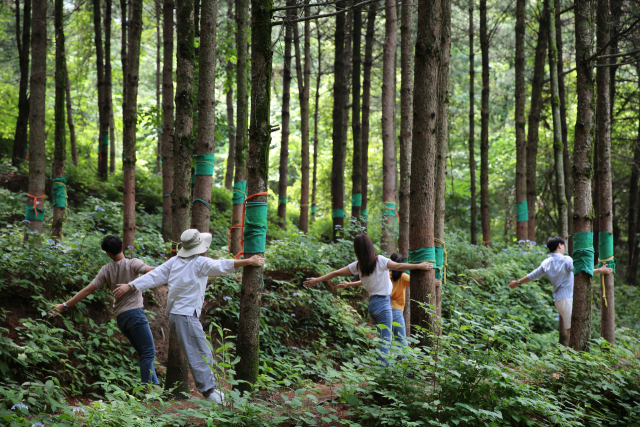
{"type": "Point", "coordinates": [215, 396]}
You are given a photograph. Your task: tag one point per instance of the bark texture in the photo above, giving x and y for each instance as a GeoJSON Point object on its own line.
{"type": "Point", "coordinates": [356, 124]}
{"type": "Point", "coordinates": [423, 156]}
{"type": "Point", "coordinates": [123, 48]}
{"type": "Point", "coordinates": [201, 213]}
{"type": "Point", "coordinates": [23, 39]}
{"type": "Point", "coordinates": [167, 117]}
{"type": "Point", "coordinates": [158, 79]}
{"type": "Point", "coordinates": [231, 158]}
{"type": "Point", "coordinates": [72, 128]}
{"type": "Point", "coordinates": [632, 268]}
{"type": "Point", "coordinates": [583, 170]}
{"type": "Point", "coordinates": [522, 230]}
{"type": "Point", "coordinates": [484, 131]}
{"type": "Point", "coordinates": [316, 115]}
{"type": "Point", "coordinates": [38, 92]}
{"type": "Point", "coordinates": [60, 140]}
{"type": "Point", "coordinates": [389, 148]}
{"type": "Point", "coordinates": [108, 85]}
{"type": "Point", "coordinates": [534, 117]}
{"type": "Point", "coordinates": [304, 79]}
{"type": "Point", "coordinates": [248, 342]}
{"type": "Point", "coordinates": [366, 101]}
{"type": "Point", "coordinates": [472, 131]}
{"type": "Point", "coordinates": [103, 112]}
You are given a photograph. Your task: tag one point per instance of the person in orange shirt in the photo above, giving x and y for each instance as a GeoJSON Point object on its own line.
{"type": "Point", "coordinates": [400, 281]}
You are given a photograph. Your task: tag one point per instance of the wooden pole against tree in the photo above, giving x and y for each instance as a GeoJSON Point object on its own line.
{"type": "Point", "coordinates": [248, 342]}
{"type": "Point", "coordinates": [167, 117]}
{"type": "Point", "coordinates": [389, 148]}
{"type": "Point", "coordinates": [204, 147]}
{"type": "Point", "coordinates": [534, 117]}
{"type": "Point", "coordinates": [484, 131]}
{"type": "Point", "coordinates": [521, 146]}
{"type": "Point", "coordinates": [582, 171]}
{"type": "Point", "coordinates": [60, 140]}
{"type": "Point", "coordinates": [604, 193]}
{"type": "Point", "coordinates": [472, 130]}
{"type": "Point", "coordinates": [23, 39]}
{"type": "Point", "coordinates": [37, 98]}
{"type": "Point", "coordinates": [423, 157]}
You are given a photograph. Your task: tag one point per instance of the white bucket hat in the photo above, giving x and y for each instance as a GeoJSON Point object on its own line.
{"type": "Point", "coordinates": [193, 243]}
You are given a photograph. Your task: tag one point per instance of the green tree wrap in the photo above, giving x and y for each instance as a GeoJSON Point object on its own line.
{"type": "Point", "coordinates": [422, 255]}
{"type": "Point", "coordinates": [193, 179]}
{"type": "Point", "coordinates": [364, 214]}
{"type": "Point", "coordinates": [313, 209]}
{"type": "Point", "coordinates": [37, 215]}
{"type": "Point", "coordinates": [104, 140]}
{"type": "Point", "coordinates": [522, 211]}
{"type": "Point", "coordinates": [439, 264]}
{"type": "Point", "coordinates": [59, 192]}
{"type": "Point", "coordinates": [583, 253]}
{"type": "Point", "coordinates": [239, 192]}
{"type": "Point", "coordinates": [255, 227]}
{"type": "Point", "coordinates": [282, 200]}
{"type": "Point", "coordinates": [605, 250]}
{"type": "Point", "coordinates": [337, 213]}
{"type": "Point", "coordinates": [389, 209]}
{"type": "Point", "coordinates": [356, 200]}
{"type": "Point", "coordinates": [204, 164]}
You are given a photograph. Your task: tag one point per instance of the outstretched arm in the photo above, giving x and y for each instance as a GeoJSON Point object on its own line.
{"type": "Point", "coordinates": [60, 308]}
{"type": "Point", "coordinates": [345, 285]}
{"type": "Point", "coordinates": [402, 266]}
{"type": "Point", "coordinates": [514, 283]}
{"type": "Point", "coordinates": [603, 270]}
{"type": "Point", "coordinates": [312, 281]}
{"type": "Point", "coordinates": [255, 261]}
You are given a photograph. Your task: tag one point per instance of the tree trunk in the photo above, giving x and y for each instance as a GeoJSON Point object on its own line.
{"type": "Point", "coordinates": [472, 131]}
{"type": "Point", "coordinates": [484, 132]}
{"type": "Point", "coordinates": [582, 171]}
{"type": "Point", "coordinates": [242, 22]}
{"type": "Point", "coordinates": [124, 24]}
{"type": "Point", "coordinates": [522, 229]}
{"type": "Point", "coordinates": [158, 73]}
{"type": "Point", "coordinates": [339, 89]}
{"type": "Point", "coordinates": [632, 269]}
{"type": "Point", "coordinates": [201, 213]}
{"type": "Point", "coordinates": [60, 150]}
{"type": "Point", "coordinates": [348, 65]}
{"type": "Point", "coordinates": [183, 145]}
{"type": "Point", "coordinates": [38, 89]}
{"type": "Point", "coordinates": [356, 124]}
{"type": "Point", "coordinates": [316, 115]}
{"type": "Point", "coordinates": [72, 128]}
{"type": "Point", "coordinates": [108, 86]}
{"type": "Point", "coordinates": [167, 117]}
{"type": "Point", "coordinates": [103, 110]}
{"type": "Point", "coordinates": [406, 124]}
{"type": "Point", "coordinates": [196, 19]}
{"type": "Point", "coordinates": [605, 202]}
{"type": "Point", "coordinates": [303, 96]}
{"type": "Point", "coordinates": [534, 117]}
{"type": "Point", "coordinates": [366, 105]}
{"type": "Point", "coordinates": [21, 137]}
{"type": "Point", "coordinates": [389, 148]}
{"type": "Point", "coordinates": [228, 177]}
{"type": "Point", "coordinates": [423, 160]}
{"type": "Point", "coordinates": [284, 142]}
{"type": "Point", "coordinates": [563, 221]}
{"type": "Point", "coordinates": [442, 145]}
{"type": "Point", "coordinates": [248, 342]}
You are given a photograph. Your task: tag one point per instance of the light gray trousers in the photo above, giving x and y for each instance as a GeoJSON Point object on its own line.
{"type": "Point", "coordinates": [194, 346]}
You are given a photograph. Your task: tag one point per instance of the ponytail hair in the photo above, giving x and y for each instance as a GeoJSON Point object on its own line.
{"type": "Point", "coordinates": [396, 275]}
{"type": "Point", "coordinates": [366, 254]}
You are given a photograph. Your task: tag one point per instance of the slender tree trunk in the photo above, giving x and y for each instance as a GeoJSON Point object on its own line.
{"type": "Point", "coordinates": [158, 73]}
{"type": "Point", "coordinates": [284, 142]}
{"type": "Point", "coordinates": [316, 115]}
{"type": "Point", "coordinates": [21, 136]}
{"type": "Point", "coordinates": [196, 19]}
{"type": "Point", "coordinates": [108, 86]}
{"type": "Point", "coordinates": [242, 22]}
{"type": "Point", "coordinates": [583, 170]}
{"type": "Point", "coordinates": [228, 178]}
{"type": "Point", "coordinates": [356, 123]}
{"type": "Point", "coordinates": [632, 268]}
{"type": "Point", "coordinates": [406, 125]}
{"type": "Point", "coordinates": [442, 142]}
{"type": "Point", "coordinates": [124, 25]}
{"type": "Point", "coordinates": [484, 132]}
{"type": "Point", "coordinates": [248, 342]}
{"type": "Point", "coordinates": [472, 131]}
{"type": "Point", "coordinates": [201, 214]}
{"type": "Point", "coordinates": [60, 150]}
{"type": "Point", "coordinates": [423, 159]}
{"type": "Point", "coordinates": [304, 79]}
{"type": "Point", "coordinates": [167, 117]}
{"type": "Point", "coordinates": [520, 95]}
{"type": "Point", "coordinates": [72, 128]}
{"type": "Point", "coordinates": [534, 117]}
{"type": "Point", "coordinates": [389, 148]}
{"type": "Point", "coordinates": [563, 220]}
{"type": "Point", "coordinates": [339, 89]}
{"type": "Point", "coordinates": [603, 134]}
{"type": "Point", "coordinates": [348, 65]}
{"type": "Point", "coordinates": [183, 145]}
{"type": "Point", "coordinates": [103, 110]}
{"type": "Point", "coordinates": [38, 88]}
{"type": "Point", "coordinates": [366, 105]}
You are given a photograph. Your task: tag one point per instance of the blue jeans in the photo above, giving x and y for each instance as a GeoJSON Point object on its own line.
{"type": "Point", "coordinates": [400, 333]}
{"type": "Point", "coordinates": [380, 311]}
{"type": "Point", "coordinates": [134, 325]}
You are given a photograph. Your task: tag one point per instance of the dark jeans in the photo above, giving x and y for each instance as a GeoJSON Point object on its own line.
{"type": "Point", "coordinates": [380, 312]}
{"type": "Point", "coordinates": [135, 326]}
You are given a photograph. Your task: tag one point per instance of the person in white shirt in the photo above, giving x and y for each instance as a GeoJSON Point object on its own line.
{"type": "Point", "coordinates": [374, 273]}
{"type": "Point", "coordinates": [186, 275]}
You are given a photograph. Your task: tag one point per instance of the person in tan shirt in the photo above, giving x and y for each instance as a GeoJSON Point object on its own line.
{"type": "Point", "coordinates": [129, 309]}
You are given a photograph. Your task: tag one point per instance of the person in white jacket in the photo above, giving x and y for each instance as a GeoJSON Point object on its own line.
{"type": "Point", "coordinates": [186, 275]}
